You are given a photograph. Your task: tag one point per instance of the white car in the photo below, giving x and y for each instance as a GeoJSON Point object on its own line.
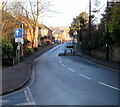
{"type": "Point", "coordinates": [70, 47]}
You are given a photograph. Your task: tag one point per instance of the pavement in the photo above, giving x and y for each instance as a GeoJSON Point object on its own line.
{"type": "Point", "coordinates": [15, 77]}
{"type": "Point", "coordinates": [102, 62]}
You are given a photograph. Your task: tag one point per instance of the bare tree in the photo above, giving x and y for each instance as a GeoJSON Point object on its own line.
{"type": "Point", "coordinates": [4, 5]}
{"type": "Point", "coordinates": [32, 13]}
{"type": "Point", "coordinates": [36, 10]}
{"type": "Point", "coordinates": [15, 8]}
{"type": "Point", "coordinates": [29, 13]}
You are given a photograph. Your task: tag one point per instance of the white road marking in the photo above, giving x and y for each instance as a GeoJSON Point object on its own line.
{"type": "Point", "coordinates": [109, 86]}
{"type": "Point", "coordinates": [63, 65]}
{"type": "Point", "coordinates": [60, 61]}
{"type": "Point", "coordinates": [84, 76]}
{"type": "Point", "coordinates": [4, 101]}
{"type": "Point", "coordinates": [29, 97]}
{"type": "Point", "coordinates": [26, 95]}
{"type": "Point", "coordinates": [71, 70]}
{"type": "Point", "coordinates": [27, 103]}
{"type": "Point", "coordinates": [36, 59]}
{"type": "Point", "coordinates": [30, 94]}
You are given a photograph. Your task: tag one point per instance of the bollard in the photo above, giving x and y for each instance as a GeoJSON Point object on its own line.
{"type": "Point", "coordinates": [13, 61]}
{"type": "Point", "coordinates": [71, 50]}
{"type": "Point", "coordinates": [65, 51]}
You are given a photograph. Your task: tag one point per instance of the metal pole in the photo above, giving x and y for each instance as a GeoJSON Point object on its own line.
{"type": "Point", "coordinates": [107, 40]}
{"type": "Point", "coordinates": [18, 48]}
{"type": "Point", "coordinates": [89, 26]}
{"type": "Point", "coordinates": [22, 41]}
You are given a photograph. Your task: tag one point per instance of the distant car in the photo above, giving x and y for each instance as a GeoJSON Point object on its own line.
{"type": "Point", "coordinates": [70, 44]}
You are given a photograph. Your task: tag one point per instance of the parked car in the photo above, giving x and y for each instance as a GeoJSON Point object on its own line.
{"type": "Point", "coordinates": [70, 47]}
{"type": "Point", "coordinates": [70, 44]}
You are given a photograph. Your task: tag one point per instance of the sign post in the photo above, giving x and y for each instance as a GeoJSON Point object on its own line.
{"type": "Point", "coordinates": [18, 48]}
{"type": "Point", "coordinates": [18, 34]}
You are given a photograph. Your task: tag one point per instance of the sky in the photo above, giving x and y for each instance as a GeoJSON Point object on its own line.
{"type": "Point", "coordinates": [66, 10]}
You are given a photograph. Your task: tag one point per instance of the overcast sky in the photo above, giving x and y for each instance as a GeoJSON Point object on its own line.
{"type": "Point", "coordinates": [67, 10]}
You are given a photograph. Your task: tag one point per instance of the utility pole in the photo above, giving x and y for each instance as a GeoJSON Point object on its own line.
{"type": "Point", "coordinates": [107, 37]}
{"type": "Point", "coordinates": [89, 26]}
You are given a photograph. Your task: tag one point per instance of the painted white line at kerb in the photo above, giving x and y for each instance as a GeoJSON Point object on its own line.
{"type": "Point", "coordinates": [29, 96]}
{"type": "Point", "coordinates": [71, 70]}
{"type": "Point", "coordinates": [26, 95]}
{"type": "Point", "coordinates": [84, 76]}
{"type": "Point", "coordinates": [27, 103]}
{"type": "Point", "coordinates": [109, 86]}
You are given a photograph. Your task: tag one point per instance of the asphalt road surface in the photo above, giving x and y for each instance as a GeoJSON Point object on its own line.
{"type": "Point", "coordinates": [67, 80]}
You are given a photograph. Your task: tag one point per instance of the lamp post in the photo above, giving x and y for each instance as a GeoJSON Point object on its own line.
{"type": "Point", "coordinates": [22, 41]}
{"type": "Point", "coordinates": [107, 37]}
{"type": "Point", "coordinates": [89, 26]}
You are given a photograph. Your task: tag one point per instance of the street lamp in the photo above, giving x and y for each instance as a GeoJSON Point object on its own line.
{"type": "Point", "coordinates": [107, 43]}
{"type": "Point", "coordinates": [89, 26]}
{"type": "Point", "coordinates": [75, 34]}
{"type": "Point", "coordinates": [90, 17]}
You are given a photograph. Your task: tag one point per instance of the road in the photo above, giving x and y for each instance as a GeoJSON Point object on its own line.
{"type": "Point", "coordinates": [67, 80]}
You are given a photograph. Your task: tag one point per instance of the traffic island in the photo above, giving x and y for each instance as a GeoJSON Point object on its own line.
{"type": "Point", "coordinates": [67, 54]}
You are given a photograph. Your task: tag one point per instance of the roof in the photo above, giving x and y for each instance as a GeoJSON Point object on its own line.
{"type": "Point", "coordinates": [44, 27]}
{"type": "Point", "coordinates": [58, 31]}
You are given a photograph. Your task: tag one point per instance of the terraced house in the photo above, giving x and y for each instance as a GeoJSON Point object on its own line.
{"type": "Point", "coordinates": [45, 34]}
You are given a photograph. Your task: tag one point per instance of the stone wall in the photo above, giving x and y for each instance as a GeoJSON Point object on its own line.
{"type": "Point", "coordinates": [114, 54]}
